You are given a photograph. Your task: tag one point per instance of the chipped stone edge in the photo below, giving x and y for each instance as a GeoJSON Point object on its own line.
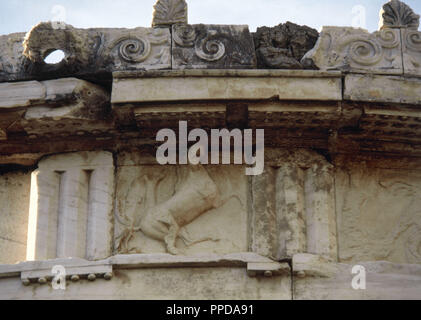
{"type": "Point", "coordinates": [254, 263]}
{"type": "Point", "coordinates": [316, 266]}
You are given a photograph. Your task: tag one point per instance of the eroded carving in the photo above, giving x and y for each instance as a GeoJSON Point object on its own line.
{"type": "Point", "coordinates": [383, 222]}
{"type": "Point", "coordinates": [164, 210]}
{"type": "Point", "coordinates": [12, 62]}
{"type": "Point", "coordinates": [283, 46]}
{"type": "Point", "coordinates": [395, 49]}
{"type": "Point", "coordinates": [356, 49]}
{"type": "Point", "coordinates": [94, 51]}
{"type": "Point", "coordinates": [396, 14]}
{"type": "Point", "coordinates": [163, 222]}
{"type": "Point", "coordinates": [411, 41]}
{"type": "Point", "coordinates": [184, 35]}
{"type": "Point", "coordinates": [169, 12]}
{"type": "Point", "coordinates": [134, 49]}
{"type": "Point", "coordinates": [212, 46]}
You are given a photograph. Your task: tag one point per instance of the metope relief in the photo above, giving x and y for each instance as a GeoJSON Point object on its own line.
{"type": "Point", "coordinates": [384, 222]}
{"type": "Point", "coordinates": [180, 210]}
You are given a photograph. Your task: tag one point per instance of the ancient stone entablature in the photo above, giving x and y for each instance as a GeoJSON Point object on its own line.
{"type": "Point", "coordinates": [394, 49]}
{"type": "Point", "coordinates": [81, 185]}
{"type": "Point", "coordinates": [93, 54]}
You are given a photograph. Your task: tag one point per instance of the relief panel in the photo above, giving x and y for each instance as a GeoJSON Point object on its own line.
{"type": "Point", "coordinates": [179, 209]}
{"type": "Point", "coordinates": [379, 215]}
{"type": "Point", "coordinates": [14, 197]}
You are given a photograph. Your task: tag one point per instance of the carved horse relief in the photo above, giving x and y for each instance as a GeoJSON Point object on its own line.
{"type": "Point", "coordinates": [195, 193]}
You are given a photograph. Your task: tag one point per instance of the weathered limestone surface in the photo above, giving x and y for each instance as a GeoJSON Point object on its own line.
{"type": "Point", "coordinates": [379, 215]}
{"type": "Point", "coordinates": [180, 209]}
{"type": "Point", "coordinates": [212, 47]}
{"type": "Point", "coordinates": [357, 50]}
{"type": "Point", "coordinates": [96, 50]}
{"type": "Point", "coordinates": [317, 279]}
{"type": "Point", "coordinates": [87, 51]}
{"type": "Point", "coordinates": [411, 51]}
{"type": "Point", "coordinates": [64, 107]}
{"type": "Point", "coordinates": [14, 197]}
{"type": "Point", "coordinates": [161, 283]}
{"type": "Point", "coordinates": [144, 261]}
{"type": "Point", "coordinates": [292, 208]}
{"type": "Point", "coordinates": [192, 85]}
{"type": "Point", "coordinates": [283, 46]}
{"type": "Point", "coordinates": [390, 89]}
{"type": "Point", "coordinates": [342, 179]}
{"type": "Point", "coordinates": [394, 49]}
{"type": "Point", "coordinates": [12, 60]}
{"type": "Point", "coordinates": [146, 276]}
{"type": "Point", "coordinates": [71, 207]}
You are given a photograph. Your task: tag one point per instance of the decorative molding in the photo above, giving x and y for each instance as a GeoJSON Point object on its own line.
{"type": "Point", "coordinates": [168, 116]}
{"type": "Point", "coordinates": [184, 35]}
{"type": "Point", "coordinates": [73, 273]}
{"type": "Point", "coordinates": [396, 14]}
{"type": "Point", "coordinates": [33, 270]}
{"type": "Point", "coordinates": [394, 49]}
{"type": "Point", "coordinates": [87, 51]}
{"type": "Point", "coordinates": [212, 46]}
{"type": "Point", "coordinates": [411, 41]}
{"type": "Point", "coordinates": [169, 12]}
{"type": "Point", "coordinates": [93, 54]}
{"type": "Point", "coordinates": [134, 50]}
{"type": "Point", "coordinates": [350, 49]}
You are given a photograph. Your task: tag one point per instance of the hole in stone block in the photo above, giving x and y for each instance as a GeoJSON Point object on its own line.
{"type": "Point", "coordinates": [55, 57]}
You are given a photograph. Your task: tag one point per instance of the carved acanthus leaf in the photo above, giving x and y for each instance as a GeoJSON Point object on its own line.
{"type": "Point", "coordinates": [169, 12]}
{"type": "Point", "coordinates": [396, 14]}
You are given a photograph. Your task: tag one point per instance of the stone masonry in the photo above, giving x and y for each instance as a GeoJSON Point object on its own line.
{"type": "Point", "coordinates": [81, 186]}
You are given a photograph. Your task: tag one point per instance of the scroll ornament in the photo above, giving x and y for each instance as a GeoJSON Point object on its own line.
{"type": "Point", "coordinates": [210, 48]}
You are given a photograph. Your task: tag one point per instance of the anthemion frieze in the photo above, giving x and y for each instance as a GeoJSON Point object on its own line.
{"type": "Point", "coordinates": [211, 161]}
